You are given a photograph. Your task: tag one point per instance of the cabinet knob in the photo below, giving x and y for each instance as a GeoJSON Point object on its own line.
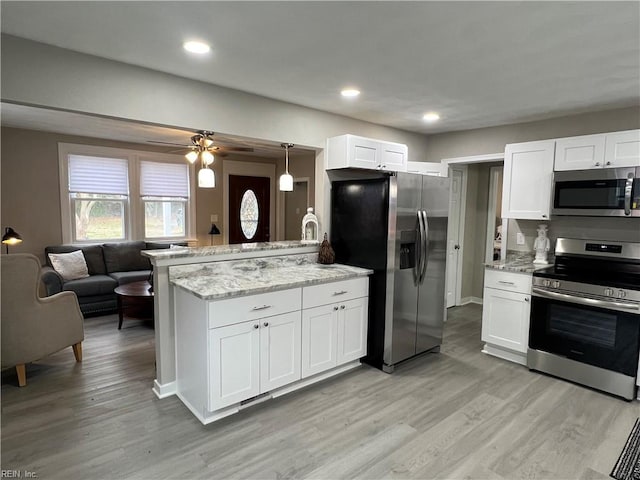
{"type": "Point", "coordinates": [256, 326]}
{"type": "Point", "coordinates": [384, 166]}
{"type": "Point", "coordinates": [526, 299]}
{"type": "Point", "coordinates": [544, 216]}
{"type": "Point", "coordinates": [342, 307]}
{"type": "Point", "coordinates": [266, 324]}
{"type": "Point", "coordinates": [608, 163]}
{"type": "Point", "coordinates": [597, 164]}
{"type": "Point", "coordinates": [335, 308]}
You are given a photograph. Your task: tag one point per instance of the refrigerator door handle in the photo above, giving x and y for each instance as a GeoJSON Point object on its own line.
{"type": "Point", "coordinates": [422, 245]}
{"type": "Point", "coordinates": [418, 250]}
{"type": "Point", "coordinates": [425, 250]}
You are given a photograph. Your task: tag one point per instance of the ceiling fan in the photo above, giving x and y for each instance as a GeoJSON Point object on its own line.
{"type": "Point", "coordinates": [202, 142]}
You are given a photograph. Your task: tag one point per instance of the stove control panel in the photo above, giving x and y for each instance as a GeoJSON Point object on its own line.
{"type": "Point", "coordinates": [608, 292]}
{"type": "Point", "coordinates": [591, 291]}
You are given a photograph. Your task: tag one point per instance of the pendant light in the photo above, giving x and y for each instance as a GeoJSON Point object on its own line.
{"type": "Point", "coordinates": [206, 178]}
{"type": "Point", "coordinates": [286, 180]}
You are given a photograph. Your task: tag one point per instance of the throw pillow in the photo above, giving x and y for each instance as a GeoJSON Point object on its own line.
{"type": "Point", "coordinates": [70, 266]}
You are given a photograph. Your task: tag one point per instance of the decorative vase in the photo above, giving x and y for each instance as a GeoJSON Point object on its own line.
{"type": "Point", "coordinates": [326, 255]}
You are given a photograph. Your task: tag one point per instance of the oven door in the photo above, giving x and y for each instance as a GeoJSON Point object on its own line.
{"type": "Point", "coordinates": [574, 328]}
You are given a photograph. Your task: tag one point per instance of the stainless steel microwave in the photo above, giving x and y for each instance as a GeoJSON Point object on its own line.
{"type": "Point", "coordinates": [601, 192]}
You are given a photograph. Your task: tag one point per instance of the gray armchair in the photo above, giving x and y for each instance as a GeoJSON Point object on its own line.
{"type": "Point", "coordinates": [34, 327]}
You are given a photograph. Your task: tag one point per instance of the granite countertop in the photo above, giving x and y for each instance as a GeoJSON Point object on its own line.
{"type": "Point", "coordinates": [226, 279]}
{"type": "Point", "coordinates": [185, 252]}
{"type": "Point", "coordinates": [519, 262]}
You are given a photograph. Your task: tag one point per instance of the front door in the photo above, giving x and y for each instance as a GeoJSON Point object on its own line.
{"type": "Point", "coordinates": [249, 209]}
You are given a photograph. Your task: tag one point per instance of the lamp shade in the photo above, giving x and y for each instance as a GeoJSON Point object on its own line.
{"type": "Point", "coordinates": [207, 157]}
{"type": "Point", "coordinates": [214, 230]}
{"type": "Point", "coordinates": [206, 178]}
{"type": "Point", "coordinates": [286, 183]}
{"type": "Point", "coordinates": [192, 156]}
{"type": "Point", "coordinates": [11, 237]}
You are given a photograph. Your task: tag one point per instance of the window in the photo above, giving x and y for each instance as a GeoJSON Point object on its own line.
{"type": "Point", "coordinates": [112, 194]}
{"type": "Point", "coordinates": [164, 190]}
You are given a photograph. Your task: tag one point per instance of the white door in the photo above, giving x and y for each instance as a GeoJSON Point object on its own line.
{"type": "Point", "coordinates": [352, 330]}
{"type": "Point", "coordinates": [319, 339]}
{"type": "Point", "coordinates": [279, 350]}
{"type": "Point", "coordinates": [454, 239]}
{"type": "Point", "coordinates": [234, 368]}
{"type": "Point", "coordinates": [505, 319]}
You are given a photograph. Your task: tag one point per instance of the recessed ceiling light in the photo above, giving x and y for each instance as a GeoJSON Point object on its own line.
{"type": "Point", "coordinates": [350, 92]}
{"type": "Point", "coordinates": [431, 117]}
{"type": "Point", "coordinates": [196, 47]}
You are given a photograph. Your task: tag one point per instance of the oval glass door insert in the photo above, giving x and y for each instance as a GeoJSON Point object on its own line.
{"type": "Point", "coordinates": [249, 214]}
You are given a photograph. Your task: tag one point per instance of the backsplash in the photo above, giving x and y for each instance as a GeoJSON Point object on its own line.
{"type": "Point", "coordinates": [596, 228]}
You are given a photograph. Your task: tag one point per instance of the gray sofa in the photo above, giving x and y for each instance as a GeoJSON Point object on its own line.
{"type": "Point", "coordinates": [109, 265]}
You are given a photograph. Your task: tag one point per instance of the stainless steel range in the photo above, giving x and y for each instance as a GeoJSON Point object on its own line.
{"type": "Point", "coordinates": [585, 315]}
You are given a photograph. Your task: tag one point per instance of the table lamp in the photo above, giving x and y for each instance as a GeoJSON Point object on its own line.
{"type": "Point", "coordinates": [10, 237]}
{"type": "Point", "coordinates": [214, 231]}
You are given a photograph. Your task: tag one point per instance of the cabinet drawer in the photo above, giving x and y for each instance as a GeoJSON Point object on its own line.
{"type": "Point", "coordinates": [511, 281]}
{"type": "Point", "coordinates": [240, 309]}
{"type": "Point", "coordinates": [327, 293]}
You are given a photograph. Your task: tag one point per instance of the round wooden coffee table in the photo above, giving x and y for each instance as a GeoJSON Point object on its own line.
{"type": "Point", "coordinates": [136, 298]}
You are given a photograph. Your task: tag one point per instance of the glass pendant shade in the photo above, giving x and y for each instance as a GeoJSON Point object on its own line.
{"type": "Point", "coordinates": [206, 178]}
{"type": "Point", "coordinates": [286, 183]}
{"type": "Point", "coordinates": [207, 157]}
{"type": "Point", "coordinates": [192, 156]}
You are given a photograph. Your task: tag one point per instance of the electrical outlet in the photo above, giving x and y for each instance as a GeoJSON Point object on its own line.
{"type": "Point", "coordinates": [520, 238]}
{"type": "Point", "coordinates": [214, 218]}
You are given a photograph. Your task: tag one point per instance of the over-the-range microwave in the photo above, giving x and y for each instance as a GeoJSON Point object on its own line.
{"type": "Point", "coordinates": [602, 192]}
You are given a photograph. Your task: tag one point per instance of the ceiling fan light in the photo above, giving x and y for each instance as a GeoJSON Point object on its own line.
{"type": "Point", "coordinates": [207, 157]}
{"type": "Point", "coordinates": [286, 182]}
{"type": "Point", "coordinates": [207, 142]}
{"type": "Point", "coordinates": [192, 156]}
{"type": "Point", "coordinates": [206, 178]}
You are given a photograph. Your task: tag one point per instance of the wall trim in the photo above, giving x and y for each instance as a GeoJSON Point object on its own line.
{"type": "Point", "coordinates": [468, 300]}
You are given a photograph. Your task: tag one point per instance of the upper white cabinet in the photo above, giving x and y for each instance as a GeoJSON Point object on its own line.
{"type": "Point", "coordinates": [528, 176]}
{"type": "Point", "coordinates": [579, 153]}
{"type": "Point", "coordinates": [351, 151]}
{"type": "Point", "coordinates": [605, 150]}
{"type": "Point", "coordinates": [436, 169]}
{"type": "Point", "coordinates": [622, 149]}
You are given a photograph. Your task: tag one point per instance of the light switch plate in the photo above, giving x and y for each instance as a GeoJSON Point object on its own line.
{"type": "Point", "coordinates": [519, 238]}
{"type": "Point", "coordinates": [214, 218]}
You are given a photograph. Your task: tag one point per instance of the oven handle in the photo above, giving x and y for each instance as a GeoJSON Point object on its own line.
{"type": "Point", "coordinates": [591, 302]}
{"type": "Point", "coordinates": [627, 194]}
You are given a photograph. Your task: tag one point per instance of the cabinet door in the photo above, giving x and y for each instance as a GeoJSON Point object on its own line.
{"type": "Point", "coordinates": [528, 175]}
{"type": "Point", "coordinates": [579, 153]}
{"type": "Point", "coordinates": [280, 350]}
{"type": "Point", "coordinates": [363, 153]}
{"type": "Point", "coordinates": [394, 157]}
{"type": "Point", "coordinates": [622, 149]}
{"type": "Point", "coordinates": [352, 330]}
{"type": "Point", "coordinates": [319, 339]}
{"type": "Point", "coordinates": [234, 364]}
{"type": "Point", "coordinates": [505, 319]}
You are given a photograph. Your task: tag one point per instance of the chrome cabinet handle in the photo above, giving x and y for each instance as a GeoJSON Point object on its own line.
{"type": "Point", "coordinates": [342, 307]}
{"type": "Point", "coordinates": [266, 324]}
{"type": "Point", "coordinates": [597, 164]}
{"type": "Point", "coordinates": [263, 307]}
{"type": "Point", "coordinates": [506, 283]}
{"type": "Point", "coordinates": [256, 326]}
{"type": "Point", "coordinates": [335, 308]}
{"type": "Point", "coordinates": [341, 292]}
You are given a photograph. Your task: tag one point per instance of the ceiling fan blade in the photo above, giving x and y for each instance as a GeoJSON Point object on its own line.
{"type": "Point", "coordinates": [170, 143]}
{"type": "Point", "coordinates": [234, 149]}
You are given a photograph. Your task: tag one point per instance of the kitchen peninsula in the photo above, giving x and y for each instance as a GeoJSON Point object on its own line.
{"type": "Point", "coordinates": [231, 302]}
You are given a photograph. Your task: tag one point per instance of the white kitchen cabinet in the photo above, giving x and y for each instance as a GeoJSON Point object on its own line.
{"type": "Point", "coordinates": [351, 151]}
{"type": "Point", "coordinates": [622, 149]}
{"type": "Point", "coordinates": [605, 150]}
{"type": "Point", "coordinates": [505, 314]}
{"type": "Point", "coordinates": [319, 339]}
{"type": "Point", "coordinates": [528, 176]}
{"type": "Point", "coordinates": [579, 153]}
{"type": "Point", "coordinates": [280, 351]}
{"type": "Point", "coordinates": [352, 330]}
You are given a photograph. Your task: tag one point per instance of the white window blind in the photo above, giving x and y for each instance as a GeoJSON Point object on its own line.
{"type": "Point", "coordinates": [160, 179]}
{"type": "Point", "coordinates": [98, 175]}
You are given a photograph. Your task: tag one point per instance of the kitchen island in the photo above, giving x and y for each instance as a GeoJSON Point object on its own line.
{"type": "Point", "coordinates": [254, 329]}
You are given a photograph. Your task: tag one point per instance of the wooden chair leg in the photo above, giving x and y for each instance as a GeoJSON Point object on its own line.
{"type": "Point", "coordinates": [21, 370]}
{"type": "Point", "coordinates": [77, 351]}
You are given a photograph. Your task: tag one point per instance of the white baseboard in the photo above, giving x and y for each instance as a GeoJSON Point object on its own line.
{"type": "Point", "coordinates": [164, 390]}
{"type": "Point", "coordinates": [468, 300]}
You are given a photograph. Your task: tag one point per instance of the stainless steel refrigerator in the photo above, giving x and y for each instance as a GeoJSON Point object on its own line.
{"type": "Point", "coordinates": [396, 225]}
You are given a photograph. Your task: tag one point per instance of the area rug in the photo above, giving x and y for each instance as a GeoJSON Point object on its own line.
{"type": "Point", "coordinates": [628, 465]}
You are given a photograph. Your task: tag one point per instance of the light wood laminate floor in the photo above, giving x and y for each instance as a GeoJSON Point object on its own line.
{"type": "Point", "coordinates": [456, 414]}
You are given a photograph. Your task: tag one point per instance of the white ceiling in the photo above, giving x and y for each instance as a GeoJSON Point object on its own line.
{"type": "Point", "coordinates": [477, 63]}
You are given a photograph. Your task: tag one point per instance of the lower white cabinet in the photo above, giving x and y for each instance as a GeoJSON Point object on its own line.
{"type": "Point", "coordinates": [253, 357]}
{"type": "Point", "coordinates": [333, 334]}
{"type": "Point", "coordinates": [505, 315]}
{"type": "Point", "coordinates": [231, 350]}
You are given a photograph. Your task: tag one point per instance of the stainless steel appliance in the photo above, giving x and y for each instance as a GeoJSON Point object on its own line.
{"type": "Point", "coordinates": [597, 192]}
{"type": "Point", "coordinates": [585, 315]}
{"type": "Point", "coordinates": [396, 225]}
